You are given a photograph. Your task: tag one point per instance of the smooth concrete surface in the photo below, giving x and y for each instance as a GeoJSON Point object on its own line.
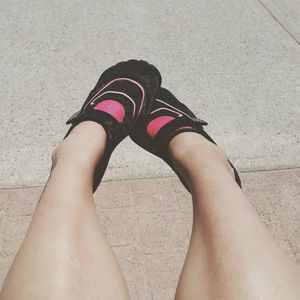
{"type": "Point", "coordinates": [148, 224]}
{"type": "Point", "coordinates": [230, 61]}
{"type": "Point", "coordinates": [287, 12]}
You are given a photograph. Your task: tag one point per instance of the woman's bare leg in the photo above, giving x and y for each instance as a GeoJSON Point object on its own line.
{"type": "Point", "coordinates": [232, 255]}
{"type": "Point", "coordinates": [65, 255]}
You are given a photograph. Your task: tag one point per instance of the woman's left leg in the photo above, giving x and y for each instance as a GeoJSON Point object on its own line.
{"type": "Point", "coordinates": [65, 254]}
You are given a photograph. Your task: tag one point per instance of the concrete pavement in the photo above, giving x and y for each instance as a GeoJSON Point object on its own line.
{"type": "Point", "coordinates": [232, 62]}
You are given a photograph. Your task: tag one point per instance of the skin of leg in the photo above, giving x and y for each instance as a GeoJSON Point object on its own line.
{"type": "Point", "coordinates": [231, 254]}
{"type": "Point", "coordinates": [65, 254]}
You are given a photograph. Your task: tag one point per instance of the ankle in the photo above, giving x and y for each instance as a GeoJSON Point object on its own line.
{"type": "Point", "coordinates": [193, 145]}
{"type": "Point", "coordinates": [84, 145]}
{"type": "Point", "coordinates": [192, 153]}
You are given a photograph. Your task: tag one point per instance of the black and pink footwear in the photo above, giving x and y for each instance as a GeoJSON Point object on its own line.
{"type": "Point", "coordinates": [121, 95]}
{"type": "Point", "coordinates": [166, 118]}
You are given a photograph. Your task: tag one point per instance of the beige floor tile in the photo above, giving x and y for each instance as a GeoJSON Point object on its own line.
{"type": "Point", "coordinates": [156, 196]}
{"type": "Point", "coordinates": [12, 233]}
{"type": "Point", "coordinates": [3, 204]}
{"type": "Point", "coordinates": [148, 223]}
{"type": "Point", "coordinates": [114, 194]}
{"type": "Point", "coordinates": [163, 232]}
{"type": "Point", "coordinates": [120, 226]}
{"type": "Point", "coordinates": [5, 263]}
{"type": "Point", "coordinates": [22, 202]}
{"type": "Point", "coordinates": [163, 272]}
{"type": "Point", "coordinates": [184, 201]}
{"type": "Point", "coordinates": [132, 263]}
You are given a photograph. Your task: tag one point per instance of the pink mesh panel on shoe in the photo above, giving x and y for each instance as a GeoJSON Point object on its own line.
{"type": "Point", "coordinates": [155, 125]}
{"type": "Point", "coordinates": [112, 107]}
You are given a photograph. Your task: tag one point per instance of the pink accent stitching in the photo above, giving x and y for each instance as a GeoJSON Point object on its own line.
{"type": "Point", "coordinates": [164, 108]}
{"type": "Point", "coordinates": [176, 109]}
{"type": "Point", "coordinates": [143, 98]}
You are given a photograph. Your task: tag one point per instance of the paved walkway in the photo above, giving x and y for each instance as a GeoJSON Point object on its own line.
{"type": "Point", "coordinates": [149, 226]}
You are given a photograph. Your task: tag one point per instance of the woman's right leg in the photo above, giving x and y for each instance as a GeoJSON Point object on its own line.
{"type": "Point", "coordinates": [232, 255]}
{"type": "Point", "coordinates": [65, 254]}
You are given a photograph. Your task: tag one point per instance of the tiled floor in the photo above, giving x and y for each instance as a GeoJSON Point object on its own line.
{"type": "Point", "coordinates": [148, 223]}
